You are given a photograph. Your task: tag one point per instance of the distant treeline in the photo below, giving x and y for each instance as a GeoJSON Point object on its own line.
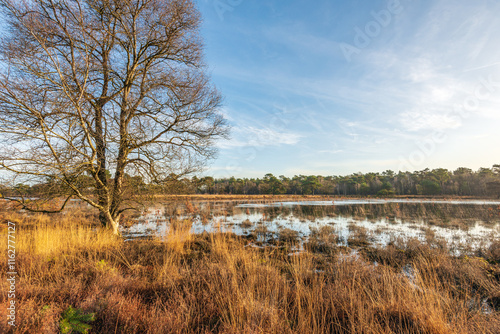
{"type": "Point", "coordinates": [461, 182]}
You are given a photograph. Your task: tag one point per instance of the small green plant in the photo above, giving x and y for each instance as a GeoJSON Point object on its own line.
{"type": "Point", "coordinates": [45, 308]}
{"type": "Point", "coordinates": [101, 265]}
{"type": "Point", "coordinates": [105, 267]}
{"type": "Point", "coordinates": [75, 321]}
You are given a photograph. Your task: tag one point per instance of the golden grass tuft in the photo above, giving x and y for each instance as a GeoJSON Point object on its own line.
{"type": "Point", "coordinates": [179, 235]}
{"type": "Point", "coordinates": [209, 283]}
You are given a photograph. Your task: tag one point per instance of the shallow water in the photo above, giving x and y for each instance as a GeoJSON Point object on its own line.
{"type": "Point", "coordinates": [462, 224]}
{"type": "Point", "coordinates": [370, 201]}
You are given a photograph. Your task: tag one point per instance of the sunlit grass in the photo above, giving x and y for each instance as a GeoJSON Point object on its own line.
{"type": "Point", "coordinates": [185, 283]}
{"type": "Point", "coordinates": [67, 234]}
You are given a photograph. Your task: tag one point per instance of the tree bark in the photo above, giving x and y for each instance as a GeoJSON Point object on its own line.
{"type": "Point", "coordinates": [112, 223]}
{"type": "Point", "coordinates": [101, 177]}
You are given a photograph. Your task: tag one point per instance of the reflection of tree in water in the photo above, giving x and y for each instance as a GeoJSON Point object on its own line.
{"type": "Point", "coordinates": [203, 208]}
{"type": "Point", "coordinates": [313, 211]}
{"type": "Point", "coordinates": [461, 213]}
{"type": "Point", "coordinates": [427, 211]}
{"type": "Point", "coordinates": [275, 212]}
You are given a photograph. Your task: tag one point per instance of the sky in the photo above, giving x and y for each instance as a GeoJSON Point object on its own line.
{"type": "Point", "coordinates": [329, 87]}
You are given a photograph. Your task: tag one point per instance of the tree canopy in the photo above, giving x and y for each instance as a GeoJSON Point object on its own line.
{"type": "Point", "coordinates": [94, 90]}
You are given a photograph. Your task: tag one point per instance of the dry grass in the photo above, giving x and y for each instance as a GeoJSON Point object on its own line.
{"type": "Point", "coordinates": [213, 283]}
{"type": "Point", "coordinates": [323, 239]}
{"type": "Point", "coordinates": [179, 236]}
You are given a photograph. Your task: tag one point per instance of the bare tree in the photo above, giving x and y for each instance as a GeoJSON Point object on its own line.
{"type": "Point", "coordinates": [89, 87]}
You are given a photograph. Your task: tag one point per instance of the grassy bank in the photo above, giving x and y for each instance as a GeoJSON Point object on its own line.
{"type": "Point", "coordinates": [216, 283]}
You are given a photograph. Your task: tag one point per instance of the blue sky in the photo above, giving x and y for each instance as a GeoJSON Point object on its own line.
{"type": "Point", "coordinates": [336, 87]}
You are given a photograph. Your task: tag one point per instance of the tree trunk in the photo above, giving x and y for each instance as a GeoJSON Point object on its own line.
{"type": "Point", "coordinates": [102, 181]}
{"type": "Point", "coordinates": [102, 189]}
{"type": "Point", "coordinates": [110, 222]}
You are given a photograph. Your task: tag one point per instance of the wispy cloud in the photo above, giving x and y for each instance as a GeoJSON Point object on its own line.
{"type": "Point", "coordinates": [408, 83]}
{"type": "Point", "coordinates": [416, 120]}
{"type": "Point", "coordinates": [259, 137]}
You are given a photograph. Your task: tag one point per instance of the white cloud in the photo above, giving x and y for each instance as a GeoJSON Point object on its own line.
{"type": "Point", "coordinates": [416, 120]}
{"type": "Point", "coordinates": [330, 151]}
{"type": "Point", "coordinates": [402, 86]}
{"type": "Point", "coordinates": [259, 137]}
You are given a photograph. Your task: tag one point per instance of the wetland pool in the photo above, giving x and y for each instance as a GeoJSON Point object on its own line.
{"type": "Point", "coordinates": [461, 224]}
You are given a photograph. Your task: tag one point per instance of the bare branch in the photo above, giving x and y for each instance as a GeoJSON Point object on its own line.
{"type": "Point", "coordinates": [98, 91]}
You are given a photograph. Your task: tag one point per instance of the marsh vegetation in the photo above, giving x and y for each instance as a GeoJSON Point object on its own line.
{"type": "Point", "coordinates": [462, 224]}
{"type": "Point", "coordinates": [181, 281]}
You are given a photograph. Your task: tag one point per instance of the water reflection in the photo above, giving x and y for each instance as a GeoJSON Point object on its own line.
{"type": "Point", "coordinates": [459, 223]}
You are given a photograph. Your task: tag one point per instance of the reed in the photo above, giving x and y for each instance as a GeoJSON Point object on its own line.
{"type": "Point", "coordinates": [186, 283]}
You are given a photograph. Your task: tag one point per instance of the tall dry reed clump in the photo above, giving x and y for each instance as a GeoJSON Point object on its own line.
{"type": "Point", "coordinates": [213, 283]}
